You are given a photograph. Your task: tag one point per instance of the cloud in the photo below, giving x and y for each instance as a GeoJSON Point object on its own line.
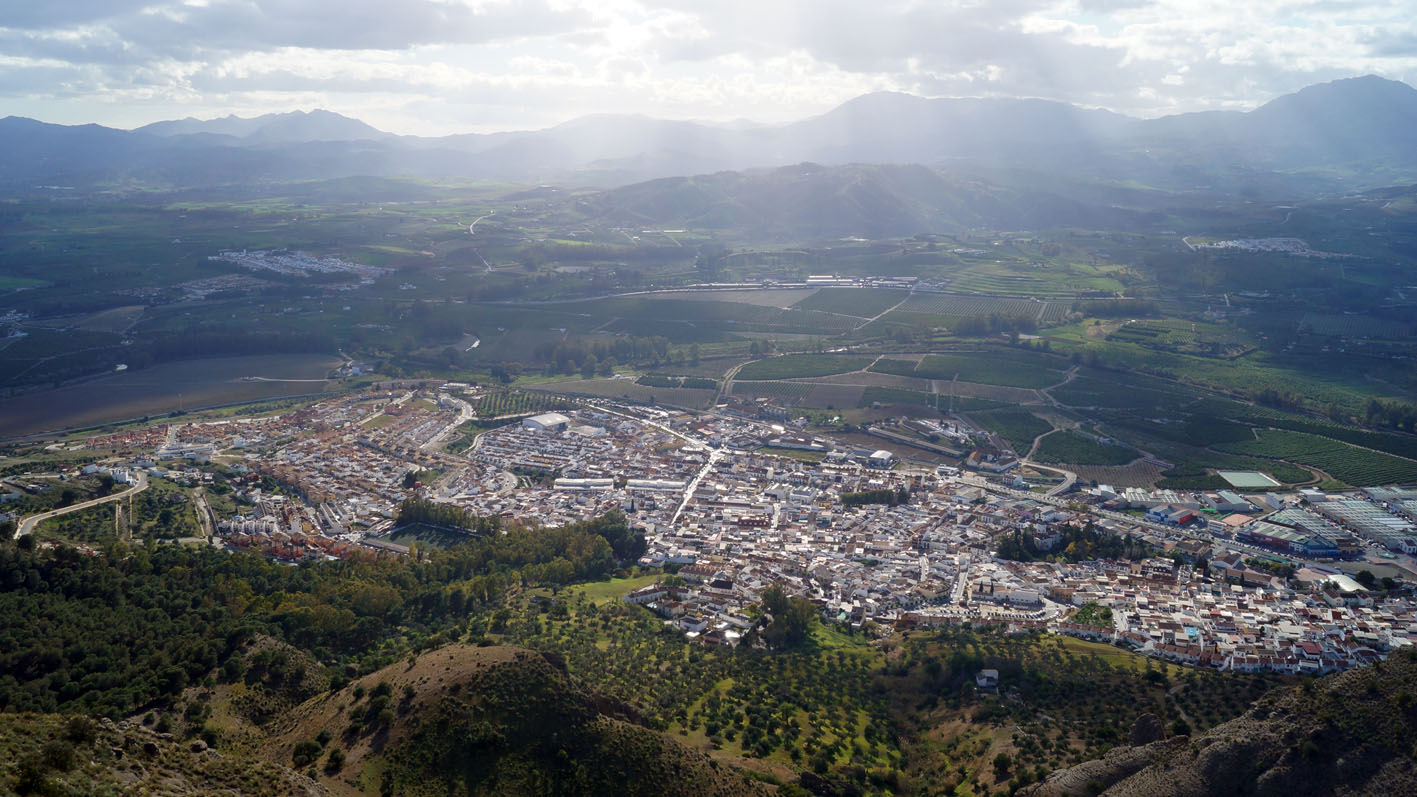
{"type": "Point", "coordinates": [445, 65]}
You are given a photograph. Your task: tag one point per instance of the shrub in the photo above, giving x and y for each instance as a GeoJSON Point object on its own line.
{"type": "Point", "coordinates": [305, 752]}
{"type": "Point", "coordinates": [58, 754]}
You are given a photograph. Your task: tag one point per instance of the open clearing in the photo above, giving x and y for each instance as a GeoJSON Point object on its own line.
{"type": "Point", "coordinates": [186, 384]}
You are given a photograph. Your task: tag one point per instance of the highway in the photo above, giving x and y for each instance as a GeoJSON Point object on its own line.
{"type": "Point", "coordinates": [28, 524]}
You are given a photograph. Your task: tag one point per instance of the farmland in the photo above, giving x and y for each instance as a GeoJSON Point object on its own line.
{"type": "Point", "coordinates": [963, 306]}
{"type": "Point", "coordinates": [182, 385]}
{"type": "Point", "coordinates": [1016, 426]}
{"type": "Point", "coordinates": [891, 395]}
{"type": "Point", "coordinates": [786, 391]}
{"type": "Point", "coordinates": [860, 302]}
{"type": "Point", "coordinates": [627, 389]}
{"type": "Point", "coordinates": [994, 367]}
{"type": "Point", "coordinates": [1349, 464]}
{"type": "Point", "coordinates": [1186, 337]}
{"type": "Point", "coordinates": [1070, 447]}
{"type": "Point", "coordinates": [503, 403]}
{"type": "Point", "coordinates": [1353, 326]}
{"type": "Point", "coordinates": [802, 365]}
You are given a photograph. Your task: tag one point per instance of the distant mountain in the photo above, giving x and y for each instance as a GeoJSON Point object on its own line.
{"type": "Point", "coordinates": [1336, 136]}
{"type": "Point", "coordinates": [296, 127]}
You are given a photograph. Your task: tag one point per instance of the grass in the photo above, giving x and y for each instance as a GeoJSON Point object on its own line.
{"type": "Point", "coordinates": [599, 592]}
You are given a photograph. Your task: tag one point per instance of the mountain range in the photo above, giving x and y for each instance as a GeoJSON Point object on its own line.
{"type": "Point", "coordinates": [1351, 133]}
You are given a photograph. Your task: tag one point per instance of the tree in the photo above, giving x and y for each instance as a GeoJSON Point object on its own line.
{"type": "Point", "coordinates": [791, 618]}
{"type": "Point", "coordinates": [1367, 579]}
{"type": "Point", "coordinates": [1002, 763]}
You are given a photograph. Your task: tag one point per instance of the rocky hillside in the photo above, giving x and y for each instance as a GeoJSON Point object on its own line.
{"type": "Point", "coordinates": [1348, 734]}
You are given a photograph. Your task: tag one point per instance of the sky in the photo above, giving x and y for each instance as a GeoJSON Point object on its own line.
{"type": "Point", "coordinates": [434, 67]}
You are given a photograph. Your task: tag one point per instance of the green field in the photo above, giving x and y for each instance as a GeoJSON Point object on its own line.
{"type": "Point", "coordinates": [1349, 464]}
{"type": "Point", "coordinates": [792, 366]}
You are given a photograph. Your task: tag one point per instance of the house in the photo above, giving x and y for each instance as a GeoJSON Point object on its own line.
{"type": "Point", "coordinates": [987, 679]}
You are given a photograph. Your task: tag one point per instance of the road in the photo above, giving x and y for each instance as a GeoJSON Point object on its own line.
{"type": "Point", "coordinates": [28, 524]}
{"type": "Point", "coordinates": [438, 441]}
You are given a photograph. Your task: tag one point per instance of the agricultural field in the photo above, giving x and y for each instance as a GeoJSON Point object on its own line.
{"type": "Point", "coordinates": [1185, 337]}
{"type": "Point", "coordinates": [767, 297]}
{"type": "Point", "coordinates": [1142, 473]}
{"type": "Point", "coordinates": [833, 397]}
{"type": "Point", "coordinates": [168, 387]}
{"type": "Point", "coordinates": [1112, 390]}
{"type": "Point", "coordinates": [1353, 326]}
{"type": "Point", "coordinates": [1018, 279]}
{"type": "Point", "coordinates": [897, 396]}
{"type": "Point", "coordinates": [627, 389]}
{"type": "Point", "coordinates": [962, 306]}
{"type": "Point", "coordinates": [508, 403]}
{"type": "Point", "coordinates": [789, 392]}
{"type": "Point", "coordinates": [1349, 464]}
{"type": "Point", "coordinates": [859, 302]}
{"type": "Point", "coordinates": [1070, 447]}
{"type": "Point", "coordinates": [1004, 367]}
{"type": "Point", "coordinates": [662, 380]}
{"type": "Point", "coordinates": [791, 366]}
{"type": "Point", "coordinates": [874, 379]}
{"type": "Point", "coordinates": [1017, 426]}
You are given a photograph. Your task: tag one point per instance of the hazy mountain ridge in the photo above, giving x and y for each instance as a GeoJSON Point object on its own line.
{"type": "Point", "coordinates": [1359, 126]}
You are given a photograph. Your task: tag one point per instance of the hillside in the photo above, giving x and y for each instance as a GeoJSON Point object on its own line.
{"type": "Point", "coordinates": [72, 754]}
{"type": "Point", "coordinates": [1351, 733]}
{"type": "Point", "coordinates": [487, 720]}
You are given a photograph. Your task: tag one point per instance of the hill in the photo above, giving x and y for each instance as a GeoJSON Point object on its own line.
{"type": "Point", "coordinates": [1351, 733]}
{"type": "Point", "coordinates": [812, 200]}
{"type": "Point", "coordinates": [487, 720]}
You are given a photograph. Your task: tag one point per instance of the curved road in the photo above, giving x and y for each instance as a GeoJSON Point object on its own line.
{"type": "Point", "coordinates": [29, 523]}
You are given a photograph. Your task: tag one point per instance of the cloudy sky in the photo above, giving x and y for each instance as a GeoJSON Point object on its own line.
{"type": "Point", "coordinates": [442, 66]}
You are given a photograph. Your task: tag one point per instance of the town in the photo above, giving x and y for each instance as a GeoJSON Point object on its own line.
{"type": "Point", "coordinates": [742, 498]}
